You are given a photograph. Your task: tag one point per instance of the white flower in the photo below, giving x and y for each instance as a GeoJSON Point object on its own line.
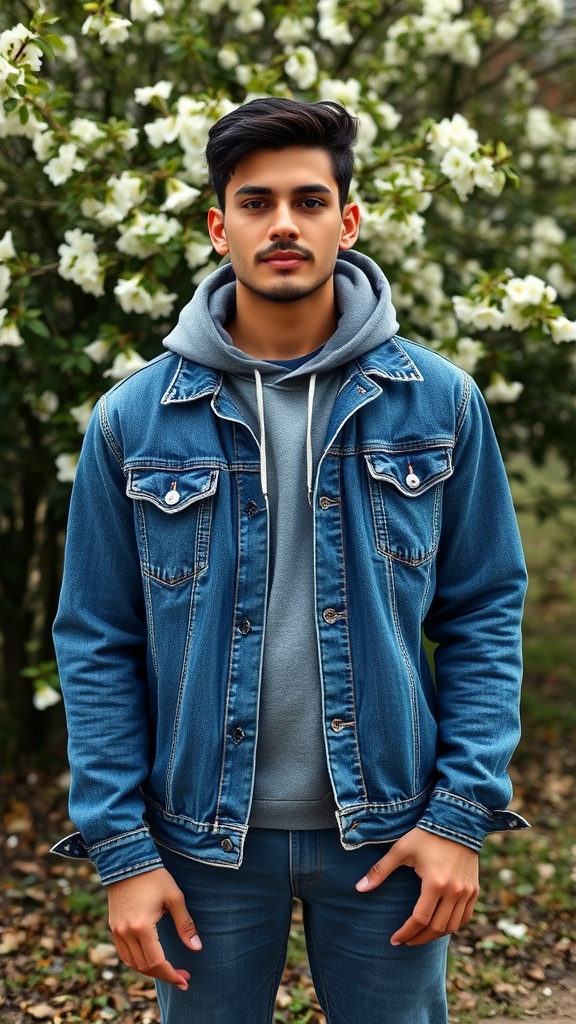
{"type": "Point", "coordinates": [467, 355]}
{"type": "Point", "coordinates": [157, 32]}
{"type": "Point", "coordinates": [347, 93]}
{"type": "Point", "coordinates": [143, 10]}
{"type": "Point", "coordinates": [86, 130]}
{"type": "Point", "coordinates": [146, 234]}
{"type": "Point", "coordinates": [42, 143]}
{"type": "Point", "coordinates": [125, 363]}
{"type": "Point", "coordinates": [11, 44]}
{"type": "Point", "coordinates": [81, 414]}
{"type": "Point", "coordinates": [511, 928]}
{"type": "Point", "coordinates": [528, 291]}
{"type": "Point", "coordinates": [562, 329]}
{"type": "Point", "coordinates": [132, 297]}
{"type": "Point", "coordinates": [66, 465]}
{"type": "Point", "coordinates": [293, 30]}
{"type": "Point", "coordinates": [145, 95]}
{"type": "Point", "coordinates": [62, 166]}
{"type": "Point", "coordinates": [540, 132]}
{"type": "Point", "coordinates": [5, 279]}
{"type": "Point", "coordinates": [558, 278]}
{"type": "Point", "coordinates": [45, 696]}
{"type": "Point", "coordinates": [211, 6]}
{"type": "Point", "coordinates": [79, 262]}
{"type": "Point", "coordinates": [97, 350]}
{"type": "Point", "coordinates": [488, 177]}
{"type": "Point", "coordinates": [500, 390]}
{"type": "Point", "coordinates": [331, 25]}
{"type": "Point", "coordinates": [486, 318]}
{"type": "Point", "coordinates": [228, 58]}
{"type": "Point", "coordinates": [458, 166]}
{"type": "Point", "coordinates": [302, 67]}
{"type": "Point", "coordinates": [161, 131]}
{"type": "Point", "coordinates": [7, 250]}
{"type": "Point", "coordinates": [10, 336]}
{"type": "Point", "coordinates": [178, 196]}
{"type": "Point", "coordinates": [44, 406]}
{"type": "Point", "coordinates": [162, 303]}
{"type": "Point", "coordinates": [197, 251]}
{"type": "Point", "coordinates": [454, 132]}
{"type": "Point", "coordinates": [250, 21]}
{"type": "Point", "coordinates": [70, 52]}
{"type": "Point", "coordinates": [115, 32]}
{"type": "Point", "coordinates": [123, 194]}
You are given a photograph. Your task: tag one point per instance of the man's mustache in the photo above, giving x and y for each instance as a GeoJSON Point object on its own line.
{"type": "Point", "coordinates": [263, 254]}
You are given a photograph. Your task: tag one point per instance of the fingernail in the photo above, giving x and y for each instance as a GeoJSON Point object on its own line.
{"type": "Point", "coordinates": [196, 942]}
{"type": "Point", "coordinates": [183, 988]}
{"type": "Point", "coordinates": [395, 942]}
{"type": "Point", "coordinates": [363, 884]}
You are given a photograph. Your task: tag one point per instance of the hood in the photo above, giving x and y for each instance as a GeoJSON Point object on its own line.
{"type": "Point", "coordinates": [367, 318]}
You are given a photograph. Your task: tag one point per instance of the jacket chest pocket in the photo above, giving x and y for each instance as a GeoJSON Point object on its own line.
{"type": "Point", "coordinates": [174, 511]}
{"type": "Point", "coordinates": [406, 500]}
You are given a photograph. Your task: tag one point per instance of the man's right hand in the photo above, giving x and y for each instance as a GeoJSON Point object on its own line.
{"type": "Point", "coordinates": [135, 905]}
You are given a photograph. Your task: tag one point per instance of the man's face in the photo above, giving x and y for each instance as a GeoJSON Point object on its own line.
{"type": "Point", "coordinates": [283, 225]}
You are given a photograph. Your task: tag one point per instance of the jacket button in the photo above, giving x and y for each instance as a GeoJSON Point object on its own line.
{"type": "Point", "coordinates": [172, 498]}
{"type": "Point", "coordinates": [227, 845]}
{"type": "Point", "coordinates": [413, 481]}
{"type": "Point", "coordinates": [330, 615]}
{"type": "Point", "coordinates": [251, 508]}
{"type": "Point", "coordinates": [325, 502]}
{"type": "Point", "coordinates": [238, 735]}
{"type": "Point", "coordinates": [337, 724]}
{"type": "Point", "coordinates": [245, 627]}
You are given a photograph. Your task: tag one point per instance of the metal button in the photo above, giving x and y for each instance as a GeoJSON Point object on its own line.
{"type": "Point", "coordinates": [330, 615]}
{"type": "Point", "coordinates": [227, 845]}
{"type": "Point", "coordinates": [337, 724]}
{"type": "Point", "coordinates": [325, 502]}
{"type": "Point", "coordinates": [238, 735]}
{"type": "Point", "coordinates": [251, 508]}
{"type": "Point", "coordinates": [245, 627]}
{"type": "Point", "coordinates": [172, 497]}
{"type": "Point", "coordinates": [413, 481]}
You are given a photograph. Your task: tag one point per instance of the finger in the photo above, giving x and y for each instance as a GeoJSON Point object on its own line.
{"type": "Point", "coordinates": [185, 926]}
{"type": "Point", "coordinates": [161, 969]}
{"type": "Point", "coordinates": [421, 916]}
{"type": "Point", "coordinates": [380, 871]}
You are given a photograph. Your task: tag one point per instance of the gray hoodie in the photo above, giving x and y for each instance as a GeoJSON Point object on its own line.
{"type": "Point", "coordinates": [288, 411]}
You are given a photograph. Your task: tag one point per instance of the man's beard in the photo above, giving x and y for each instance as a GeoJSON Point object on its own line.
{"type": "Point", "coordinates": [284, 290]}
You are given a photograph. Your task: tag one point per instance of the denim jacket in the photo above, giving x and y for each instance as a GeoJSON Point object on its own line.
{"type": "Point", "coordinates": [159, 632]}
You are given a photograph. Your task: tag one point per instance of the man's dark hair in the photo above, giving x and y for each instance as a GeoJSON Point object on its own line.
{"type": "Point", "coordinates": [275, 123]}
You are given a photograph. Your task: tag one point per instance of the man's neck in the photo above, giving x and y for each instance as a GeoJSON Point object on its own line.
{"type": "Point", "coordinates": [282, 330]}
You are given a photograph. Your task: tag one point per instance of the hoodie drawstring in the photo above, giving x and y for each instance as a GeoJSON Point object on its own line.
{"type": "Point", "coordinates": [262, 425]}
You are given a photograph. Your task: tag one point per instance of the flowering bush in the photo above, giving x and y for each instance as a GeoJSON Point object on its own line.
{"type": "Point", "coordinates": [464, 171]}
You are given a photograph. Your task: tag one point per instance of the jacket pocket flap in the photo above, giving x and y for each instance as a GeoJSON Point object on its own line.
{"type": "Point", "coordinates": [172, 490]}
{"type": "Point", "coordinates": [412, 472]}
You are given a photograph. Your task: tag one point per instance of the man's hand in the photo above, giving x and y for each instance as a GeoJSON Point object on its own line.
{"type": "Point", "coordinates": [449, 873]}
{"type": "Point", "coordinates": [135, 905]}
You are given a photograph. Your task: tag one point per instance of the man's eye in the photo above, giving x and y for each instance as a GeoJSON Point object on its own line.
{"type": "Point", "coordinates": [311, 203]}
{"type": "Point", "coordinates": [254, 204]}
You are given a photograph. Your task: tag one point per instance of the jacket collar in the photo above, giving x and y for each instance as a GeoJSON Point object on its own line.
{"type": "Point", "coordinates": [192, 380]}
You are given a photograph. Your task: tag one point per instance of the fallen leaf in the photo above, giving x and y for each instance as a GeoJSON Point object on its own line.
{"type": "Point", "coordinates": [103, 953]}
{"type": "Point", "coordinates": [11, 941]}
{"type": "Point", "coordinates": [40, 1011]}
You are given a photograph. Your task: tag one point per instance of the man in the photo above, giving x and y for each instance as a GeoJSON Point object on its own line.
{"type": "Point", "coordinates": [264, 521]}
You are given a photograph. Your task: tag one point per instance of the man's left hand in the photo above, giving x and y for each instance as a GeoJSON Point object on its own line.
{"type": "Point", "coordinates": [449, 873]}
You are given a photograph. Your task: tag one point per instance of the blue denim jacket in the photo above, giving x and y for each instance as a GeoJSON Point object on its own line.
{"type": "Point", "coordinates": [160, 627]}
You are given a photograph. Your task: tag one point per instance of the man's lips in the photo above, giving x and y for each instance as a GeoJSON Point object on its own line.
{"type": "Point", "coordinates": [284, 259]}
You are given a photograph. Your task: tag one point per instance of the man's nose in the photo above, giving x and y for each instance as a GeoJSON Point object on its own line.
{"type": "Point", "coordinates": [283, 224]}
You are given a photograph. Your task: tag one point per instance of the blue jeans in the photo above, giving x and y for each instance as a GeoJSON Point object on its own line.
{"type": "Point", "coordinates": [243, 918]}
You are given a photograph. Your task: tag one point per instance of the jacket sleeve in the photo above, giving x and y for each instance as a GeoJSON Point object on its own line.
{"type": "Point", "coordinates": [475, 618]}
{"type": "Point", "coordinates": [100, 640]}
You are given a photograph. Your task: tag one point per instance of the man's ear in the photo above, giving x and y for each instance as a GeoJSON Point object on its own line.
{"type": "Point", "coordinates": [350, 226]}
{"type": "Point", "coordinates": [217, 231]}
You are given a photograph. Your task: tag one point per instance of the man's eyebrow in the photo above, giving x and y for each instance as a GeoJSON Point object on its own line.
{"type": "Point", "coordinates": [261, 190]}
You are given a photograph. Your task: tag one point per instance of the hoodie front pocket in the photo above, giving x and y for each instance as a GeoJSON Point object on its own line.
{"type": "Point", "coordinates": [406, 500]}
{"type": "Point", "coordinates": [174, 509]}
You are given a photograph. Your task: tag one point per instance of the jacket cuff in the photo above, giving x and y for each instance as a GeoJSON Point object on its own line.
{"type": "Point", "coordinates": [131, 853]}
{"type": "Point", "coordinates": [465, 821]}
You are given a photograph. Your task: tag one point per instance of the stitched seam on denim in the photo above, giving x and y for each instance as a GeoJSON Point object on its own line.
{"type": "Point", "coordinates": [147, 589]}
{"type": "Point", "coordinates": [178, 466]}
{"type": "Point", "coordinates": [445, 794]}
{"type": "Point", "coordinates": [108, 433]}
{"type": "Point", "coordinates": [379, 514]}
{"type": "Point", "coordinates": [118, 840]}
{"type": "Point", "coordinates": [432, 826]}
{"type": "Point", "coordinates": [311, 947]}
{"type": "Point", "coordinates": [349, 655]}
{"type": "Point", "coordinates": [154, 499]}
{"type": "Point", "coordinates": [378, 445]}
{"type": "Point", "coordinates": [203, 826]}
{"type": "Point", "coordinates": [130, 870]}
{"type": "Point", "coordinates": [392, 805]}
{"type": "Point", "coordinates": [411, 678]}
{"type": "Point", "coordinates": [464, 402]}
{"type": "Point", "coordinates": [277, 977]}
{"type": "Point", "coordinates": [197, 859]}
{"type": "Point", "coordinates": [234, 640]}
{"type": "Point", "coordinates": [310, 882]}
{"type": "Point", "coordinates": [179, 700]}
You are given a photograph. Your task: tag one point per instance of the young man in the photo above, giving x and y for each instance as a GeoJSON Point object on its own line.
{"type": "Point", "coordinates": [264, 521]}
